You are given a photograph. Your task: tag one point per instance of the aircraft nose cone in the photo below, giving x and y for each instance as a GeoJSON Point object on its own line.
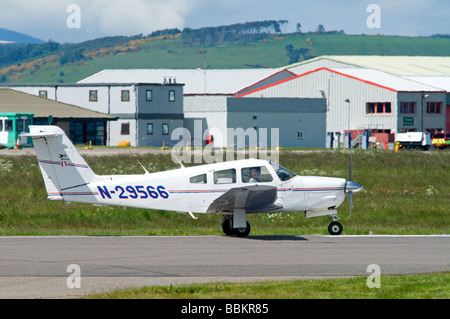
{"type": "Point", "coordinates": [352, 187]}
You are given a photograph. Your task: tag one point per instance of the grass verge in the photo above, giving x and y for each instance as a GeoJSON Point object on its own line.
{"type": "Point", "coordinates": [426, 286]}
{"type": "Point", "coordinates": [404, 193]}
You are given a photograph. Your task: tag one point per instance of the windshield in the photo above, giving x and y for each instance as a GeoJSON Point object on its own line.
{"type": "Point", "coordinates": [283, 173]}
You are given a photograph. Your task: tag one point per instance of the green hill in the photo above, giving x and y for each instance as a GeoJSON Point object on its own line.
{"type": "Point", "coordinates": [17, 37]}
{"type": "Point", "coordinates": [68, 63]}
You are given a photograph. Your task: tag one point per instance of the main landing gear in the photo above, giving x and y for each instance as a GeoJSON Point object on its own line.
{"type": "Point", "coordinates": [335, 228]}
{"type": "Point", "coordinates": [227, 227]}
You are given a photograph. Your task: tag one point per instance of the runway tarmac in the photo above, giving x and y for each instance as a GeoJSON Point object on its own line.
{"type": "Point", "coordinates": [37, 267]}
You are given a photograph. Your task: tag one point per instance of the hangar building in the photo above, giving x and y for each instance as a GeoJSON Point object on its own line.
{"type": "Point", "coordinates": [432, 71]}
{"type": "Point", "coordinates": [209, 101]}
{"type": "Point", "coordinates": [365, 99]}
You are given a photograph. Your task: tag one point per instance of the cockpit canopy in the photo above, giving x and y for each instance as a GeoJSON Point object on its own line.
{"type": "Point", "coordinates": [283, 173]}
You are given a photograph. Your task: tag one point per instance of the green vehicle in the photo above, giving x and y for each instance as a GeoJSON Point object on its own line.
{"type": "Point", "coordinates": [11, 126]}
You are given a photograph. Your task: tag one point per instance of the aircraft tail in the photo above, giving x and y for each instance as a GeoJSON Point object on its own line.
{"type": "Point", "coordinates": [65, 172]}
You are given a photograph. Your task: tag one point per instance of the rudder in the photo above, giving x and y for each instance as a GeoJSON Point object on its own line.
{"type": "Point", "coordinates": [64, 170]}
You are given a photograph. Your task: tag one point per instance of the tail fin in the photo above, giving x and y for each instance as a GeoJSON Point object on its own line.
{"type": "Point", "coordinates": [62, 167]}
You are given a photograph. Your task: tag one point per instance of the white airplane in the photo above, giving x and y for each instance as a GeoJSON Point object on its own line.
{"type": "Point", "coordinates": [231, 189]}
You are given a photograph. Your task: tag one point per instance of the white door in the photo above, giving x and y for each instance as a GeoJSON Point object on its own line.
{"type": "Point", "coordinates": [3, 134]}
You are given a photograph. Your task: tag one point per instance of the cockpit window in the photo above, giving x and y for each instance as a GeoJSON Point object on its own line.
{"type": "Point", "coordinates": [256, 174]}
{"type": "Point", "coordinates": [283, 173]}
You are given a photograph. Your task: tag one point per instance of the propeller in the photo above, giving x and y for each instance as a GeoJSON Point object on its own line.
{"type": "Point", "coordinates": [350, 186]}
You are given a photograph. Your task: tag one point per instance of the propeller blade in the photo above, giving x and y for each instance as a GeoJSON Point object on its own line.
{"type": "Point", "coordinates": [350, 200]}
{"type": "Point", "coordinates": [351, 166]}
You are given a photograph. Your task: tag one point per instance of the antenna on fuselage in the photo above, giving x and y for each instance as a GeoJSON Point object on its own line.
{"type": "Point", "coordinates": [146, 172]}
{"type": "Point", "coordinates": [179, 162]}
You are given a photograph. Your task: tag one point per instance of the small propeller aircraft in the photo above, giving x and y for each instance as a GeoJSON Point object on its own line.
{"type": "Point", "coordinates": [231, 189]}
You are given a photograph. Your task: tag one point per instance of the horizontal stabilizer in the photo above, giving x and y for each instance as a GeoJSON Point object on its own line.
{"type": "Point", "coordinates": [40, 134]}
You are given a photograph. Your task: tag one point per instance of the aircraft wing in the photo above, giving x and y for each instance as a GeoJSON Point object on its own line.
{"type": "Point", "coordinates": [254, 199]}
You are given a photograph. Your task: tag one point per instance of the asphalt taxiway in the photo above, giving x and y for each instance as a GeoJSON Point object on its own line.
{"type": "Point", "coordinates": [37, 267]}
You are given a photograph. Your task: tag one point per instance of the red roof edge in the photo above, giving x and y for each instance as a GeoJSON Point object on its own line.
{"type": "Point", "coordinates": [317, 70]}
{"type": "Point", "coordinates": [262, 80]}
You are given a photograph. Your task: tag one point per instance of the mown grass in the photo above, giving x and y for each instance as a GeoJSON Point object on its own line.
{"type": "Point", "coordinates": [426, 286]}
{"type": "Point", "coordinates": [404, 193]}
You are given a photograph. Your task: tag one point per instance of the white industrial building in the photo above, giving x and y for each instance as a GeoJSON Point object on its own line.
{"type": "Point", "coordinates": [306, 102]}
{"type": "Point", "coordinates": [207, 96]}
{"type": "Point", "coordinates": [431, 71]}
{"type": "Point", "coordinates": [395, 65]}
{"type": "Point", "coordinates": [365, 99]}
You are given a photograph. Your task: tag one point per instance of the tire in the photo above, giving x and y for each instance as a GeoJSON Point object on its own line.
{"type": "Point", "coordinates": [242, 232]}
{"type": "Point", "coordinates": [227, 227]}
{"type": "Point", "coordinates": [335, 228]}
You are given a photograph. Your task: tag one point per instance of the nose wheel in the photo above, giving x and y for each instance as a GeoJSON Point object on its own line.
{"type": "Point", "coordinates": [335, 228]}
{"type": "Point", "coordinates": [227, 227]}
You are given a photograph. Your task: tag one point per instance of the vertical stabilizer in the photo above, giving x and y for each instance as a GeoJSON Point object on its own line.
{"type": "Point", "coordinates": [65, 172]}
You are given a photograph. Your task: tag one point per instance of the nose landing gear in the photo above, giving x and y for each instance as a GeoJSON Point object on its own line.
{"type": "Point", "coordinates": [227, 227]}
{"type": "Point", "coordinates": [335, 228]}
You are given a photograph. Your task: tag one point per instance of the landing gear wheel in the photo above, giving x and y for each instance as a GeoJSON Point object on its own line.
{"type": "Point", "coordinates": [242, 232]}
{"type": "Point", "coordinates": [227, 227]}
{"type": "Point", "coordinates": [335, 228]}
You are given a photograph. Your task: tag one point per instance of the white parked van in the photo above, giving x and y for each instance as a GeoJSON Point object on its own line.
{"type": "Point", "coordinates": [414, 140]}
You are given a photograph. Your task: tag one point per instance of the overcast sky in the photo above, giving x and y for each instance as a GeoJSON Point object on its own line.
{"type": "Point", "coordinates": [48, 19]}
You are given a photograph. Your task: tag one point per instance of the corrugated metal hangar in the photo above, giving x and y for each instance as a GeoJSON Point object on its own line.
{"type": "Point", "coordinates": [366, 99]}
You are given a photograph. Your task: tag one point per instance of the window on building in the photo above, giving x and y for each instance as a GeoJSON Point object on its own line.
{"type": "Point", "coordinates": [434, 107]}
{"type": "Point", "coordinates": [381, 131]}
{"type": "Point", "coordinates": [43, 94]}
{"type": "Point", "coordinates": [93, 96]}
{"type": "Point", "coordinates": [227, 176]}
{"type": "Point", "coordinates": [125, 129]}
{"type": "Point", "coordinates": [150, 128]}
{"type": "Point", "coordinates": [379, 108]}
{"type": "Point", "coordinates": [408, 107]}
{"type": "Point", "coordinates": [171, 96]}
{"type": "Point", "coordinates": [125, 96]}
{"type": "Point", "coordinates": [165, 129]}
{"type": "Point", "coordinates": [8, 125]}
{"type": "Point", "coordinates": [149, 95]}
{"type": "Point", "coordinates": [433, 131]}
{"type": "Point", "coordinates": [406, 130]}
{"type": "Point", "coordinates": [23, 125]}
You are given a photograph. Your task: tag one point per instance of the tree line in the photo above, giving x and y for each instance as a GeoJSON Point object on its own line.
{"type": "Point", "coordinates": [234, 33]}
{"type": "Point", "coordinates": [73, 52]}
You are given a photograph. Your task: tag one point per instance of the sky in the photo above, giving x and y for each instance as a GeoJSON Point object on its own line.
{"type": "Point", "coordinates": [70, 21]}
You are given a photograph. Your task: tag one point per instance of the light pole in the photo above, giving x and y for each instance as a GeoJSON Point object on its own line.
{"type": "Point", "coordinates": [424, 96]}
{"type": "Point", "coordinates": [348, 124]}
